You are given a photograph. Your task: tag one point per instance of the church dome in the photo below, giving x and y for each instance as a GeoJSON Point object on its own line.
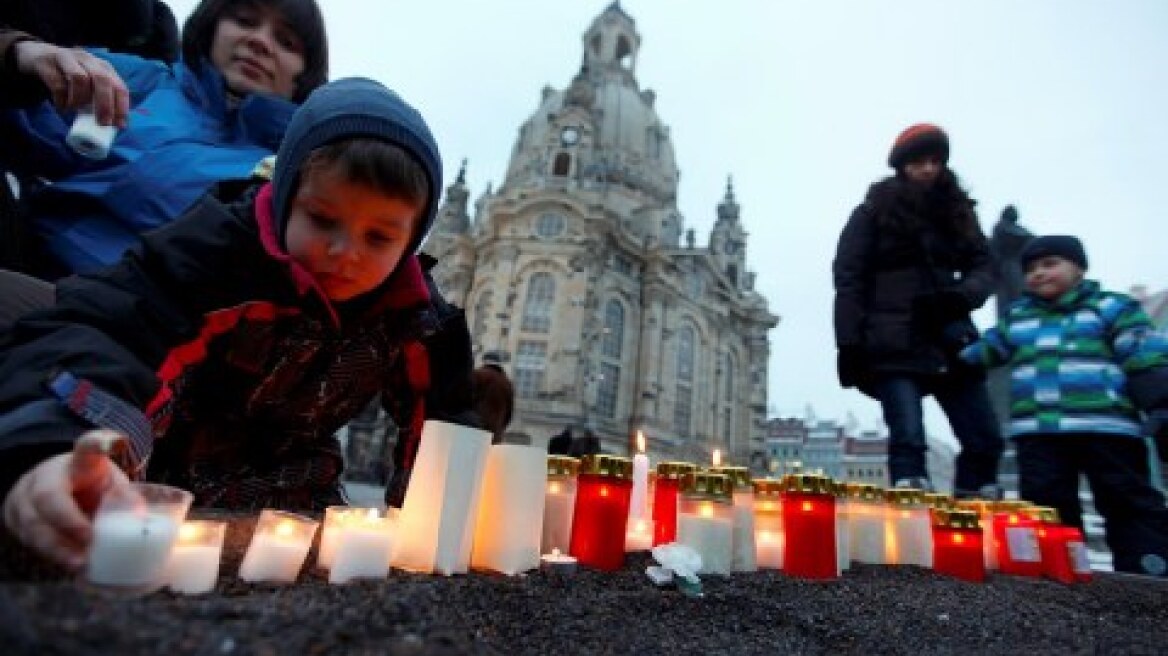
{"type": "Point", "coordinates": [603, 122]}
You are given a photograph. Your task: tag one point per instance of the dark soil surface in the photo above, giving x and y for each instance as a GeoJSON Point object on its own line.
{"type": "Point", "coordinates": [871, 610]}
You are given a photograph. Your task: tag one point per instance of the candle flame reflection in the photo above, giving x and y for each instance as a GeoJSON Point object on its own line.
{"type": "Point", "coordinates": [958, 538]}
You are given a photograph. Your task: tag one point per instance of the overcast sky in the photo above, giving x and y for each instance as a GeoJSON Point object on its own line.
{"type": "Point", "coordinates": [1057, 106]}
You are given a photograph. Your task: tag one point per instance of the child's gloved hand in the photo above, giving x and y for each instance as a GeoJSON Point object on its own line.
{"type": "Point", "coordinates": [50, 507]}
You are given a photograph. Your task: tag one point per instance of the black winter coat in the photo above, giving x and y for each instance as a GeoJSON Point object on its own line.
{"type": "Point", "coordinates": [904, 281]}
{"type": "Point", "coordinates": [225, 364]}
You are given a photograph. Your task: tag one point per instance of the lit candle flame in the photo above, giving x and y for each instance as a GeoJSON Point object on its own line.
{"type": "Point", "coordinates": [554, 487]}
{"type": "Point", "coordinates": [958, 538]}
{"type": "Point", "coordinates": [806, 506]}
{"type": "Point", "coordinates": [706, 510]}
{"type": "Point", "coordinates": [717, 457]}
{"type": "Point", "coordinates": [189, 532]}
{"type": "Point", "coordinates": [556, 552]}
{"type": "Point", "coordinates": [640, 442]}
{"type": "Point", "coordinates": [285, 529]}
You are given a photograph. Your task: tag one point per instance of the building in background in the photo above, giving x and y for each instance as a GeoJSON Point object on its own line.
{"type": "Point", "coordinates": [579, 273]}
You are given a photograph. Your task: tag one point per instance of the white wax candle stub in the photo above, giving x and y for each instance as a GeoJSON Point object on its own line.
{"type": "Point", "coordinates": [90, 139]}
{"type": "Point", "coordinates": [130, 549]}
{"type": "Point", "coordinates": [558, 563]}
{"type": "Point", "coordinates": [1080, 560]}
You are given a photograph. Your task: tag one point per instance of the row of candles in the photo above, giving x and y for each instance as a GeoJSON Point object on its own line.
{"type": "Point", "coordinates": [509, 508]}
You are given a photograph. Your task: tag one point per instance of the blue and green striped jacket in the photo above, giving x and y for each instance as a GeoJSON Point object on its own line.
{"type": "Point", "coordinates": [1070, 359]}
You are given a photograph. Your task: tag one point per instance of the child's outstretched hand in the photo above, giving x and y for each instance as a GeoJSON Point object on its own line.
{"type": "Point", "coordinates": [50, 508]}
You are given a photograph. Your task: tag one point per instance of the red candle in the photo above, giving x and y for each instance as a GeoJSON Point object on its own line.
{"type": "Point", "coordinates": [809, 527]}
{"type": "Point", "coordinates": [1064, 552]}
{"type": "Point", "coordinates": [957, 545]}
{"type": "Point", "coordinates": [665, 500]}
{"type": "Point", "coordinates": [1016, 536]}
{"type": "Point", "coordinates": [604, 488]}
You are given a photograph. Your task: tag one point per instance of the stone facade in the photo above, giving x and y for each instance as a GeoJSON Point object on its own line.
{"type": "Point", "coordinates": [579, 273]}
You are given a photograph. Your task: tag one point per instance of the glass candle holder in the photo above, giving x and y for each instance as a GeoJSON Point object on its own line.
{"type": "Point", "coordinates": [843, 547]}
{"type": "Point", "coordinates": [194, 560]}
{"type": "Point", "coordinates": [601, 514]}
{"type": "Point", "coordinates": [957, 548]}
{"type": "Point", "coordinates": [743, 557]}
{"type": "Point", "coordinates": [278, 547]}
{"type": "Point", "coordinates": [665, 491]}
{"type": "Point", "coordinates": [909, 536]}
{"type": "Point", "coordinates": [559, 504]}
{"type": "Point", "coordinates": [1016, 537]}
{"type": "Point", "coordinates": [639, 536]}
{"type": "Point", "coordinates": [134, 531]}
{"type": "Point", "coordinates": [985, 518]}
{"type": "Point", "coordinates": [363, 546]}
{"type": "Point", "coordinates": [866, 524]}
{"type": "Point", "coordinates": [809, 527]}
{"type": "Point", "coordinates": [1064, 552]}
{"type": "Point", "coordinates": [768, 523]}
{"type": "Point", "coordinates": [334, 518]}
{"type": "Point", "coordinates": [705, 519]}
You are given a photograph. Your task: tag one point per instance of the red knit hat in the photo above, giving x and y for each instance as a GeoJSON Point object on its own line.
{"type": "Point", "coordinates": [917, 140]}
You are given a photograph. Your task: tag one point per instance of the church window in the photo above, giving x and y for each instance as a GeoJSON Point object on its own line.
{"type": "Point", "coordinates": [694, 286]}
{"type": "Point", "coordinates": [732, 273]}
{"type": "Point", "coordinates": [683, 403]}
{"type": "Point", "coordinates": [624, 52]}
{"type": "Point", "coordinates": [562, 164]}
{"type": "Point", "coordinates": [614, 329]}
{"type": "Point", "coordinates": [606, 394]}
{"type": "Point", "coordinates": [550, 225]}
{"type": "Point", "coordinates": [622, 265]}
{"type": "Point", "coordinates": [537, 310]}
{"type": "Point", "coordinates": [530, 365]}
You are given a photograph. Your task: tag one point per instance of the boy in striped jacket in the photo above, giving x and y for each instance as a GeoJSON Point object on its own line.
{"type": "Point", "coordinates": [1071, 348]}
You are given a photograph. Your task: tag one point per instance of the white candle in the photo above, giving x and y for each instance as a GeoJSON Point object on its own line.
{"type": "Point", "coordinates": [558, 506]}
{"type": "Point", "coordinates": [130, 549]}
{"type": "Point", "coordinates": [194, 561]}
{"type": "Point", "coordinates": [769, 547]}
{"type": "Point", "coordinates": [638, 502]}
{"type": "Point", "coordinates": [639, 536]}
{"type": "Point", "coordinates": [278, 547]}
{"type": "Point", "coordinates": [744, 558]}
{"type": "Point", "coordinates": [88, 138]}
{"type": "Point", "coordinates": [911, 537]}
{"type": "Point", "coordinates": [866, 528]}
{"type": "Point", "coordinates": [557, 563]}
{"type": "Point", "coordinates": [843, 550]}
{"type": "Point", "coordinates": [712, 537]}
{"type": "Point", "coordinates": [363, 547]}
{"type": "Point", "coordinates": [437, 522]}
{"type": "Point", "coordinates": [334, 518]}
{"type": "Point", "coordinates": [507, 534]}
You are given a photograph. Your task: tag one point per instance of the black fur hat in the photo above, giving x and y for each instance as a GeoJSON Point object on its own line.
{"type": "Point", "coordinates": [1065, 246]}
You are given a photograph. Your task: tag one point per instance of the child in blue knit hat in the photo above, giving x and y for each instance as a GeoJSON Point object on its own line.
{"type": "Point", "coordinates": [1074, 351]}
{"type": "Point", "coordinates": [232, 344]}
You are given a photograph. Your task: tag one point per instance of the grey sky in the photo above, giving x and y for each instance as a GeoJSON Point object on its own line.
{"type": "Point", "coordinates": [1056, 106]}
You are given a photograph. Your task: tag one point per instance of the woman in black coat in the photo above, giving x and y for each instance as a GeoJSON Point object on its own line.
{"type": "Point", "coordinates": [911, 265]}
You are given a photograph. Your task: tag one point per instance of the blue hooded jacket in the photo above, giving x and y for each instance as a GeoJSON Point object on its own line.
{"type": "Point", "coordinates": [181, 139]}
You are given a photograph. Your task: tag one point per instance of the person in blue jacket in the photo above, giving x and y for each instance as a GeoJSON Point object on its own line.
{"type": "Point", "coordinates": [211, 117]}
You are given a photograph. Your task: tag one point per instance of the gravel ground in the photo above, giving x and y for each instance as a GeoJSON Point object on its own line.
{"type": "Point", "coordinates": [871, 610]}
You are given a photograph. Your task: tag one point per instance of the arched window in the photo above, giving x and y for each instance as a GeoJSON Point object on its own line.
{"type": "Point", "coordinates": [624, 51]}
{"type": "Point", "coordinates": [537, 310]}
{"type": "Point", "coordinates": [683, 397]}
{"type": "Point", "coordinates": [562, 164]}
{"type": "Point", "coordinates": [614, 329]}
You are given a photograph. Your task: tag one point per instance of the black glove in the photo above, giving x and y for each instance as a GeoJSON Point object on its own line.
{"type": "Point", "coordinates": [852, 366]}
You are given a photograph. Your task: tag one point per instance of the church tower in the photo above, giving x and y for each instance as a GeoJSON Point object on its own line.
{"type": "Point", "coordinates": [574, 272]}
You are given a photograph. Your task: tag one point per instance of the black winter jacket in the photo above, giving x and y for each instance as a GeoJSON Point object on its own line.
{"type": "Point", "coordinates": [225, 365]}
{"type": "Point", "coordinates": [903, 280]}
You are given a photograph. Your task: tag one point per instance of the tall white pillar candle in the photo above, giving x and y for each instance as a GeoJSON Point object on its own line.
{"type": "Point", "coordinates": [438, 517]}
{"type": "Point", "coordinates": [638, 502]}
{"type": "Point", "coordinates": [768, 523]}
{"type": "Point", "coordinates": [511, 509]}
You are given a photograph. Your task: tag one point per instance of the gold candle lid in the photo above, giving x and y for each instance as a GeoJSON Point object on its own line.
{"type": "Point", "coordinates": [707, 485]}
{"type": "Point", "coordinates": [562, 465]}
{"type": "Point", "coordinates": [1009, 506]}
{"type": "Point", "coordinates": [865, 492]}
{"type": "Point", "coordinates": [739, 476]}
{"type": "Point", "coordinates": [807, 484]}
{"type": "Point", "coordinates": [954, 518]}
{"type": "Point", "coordinates": [768, 487]}
{"type": "Point", "coordinates": [979, 506]}
{"type": "Point", "coordinates": [939, 501]}
{"type": "Point", "coordinates": [1043, 514]}
{"type": "Point", "coordinates": [602, 464]}
{"type": "Point", "coordinates": [904, 496]}
{"type": "Point", "coordinates": [675, 470]}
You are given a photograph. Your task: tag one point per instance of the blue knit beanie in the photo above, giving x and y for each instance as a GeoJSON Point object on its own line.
{"type": "Point", "coordinates": [1065, 246]}
{"type": "Point", "coordinates": [346, 109]}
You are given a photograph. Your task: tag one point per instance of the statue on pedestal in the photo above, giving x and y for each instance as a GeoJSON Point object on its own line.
{"type": "Point", "coordinates": [1006, 244]}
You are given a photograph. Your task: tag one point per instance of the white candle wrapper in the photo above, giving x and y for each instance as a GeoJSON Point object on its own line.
{"type": "Point", "coordinates": [89, 139]}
